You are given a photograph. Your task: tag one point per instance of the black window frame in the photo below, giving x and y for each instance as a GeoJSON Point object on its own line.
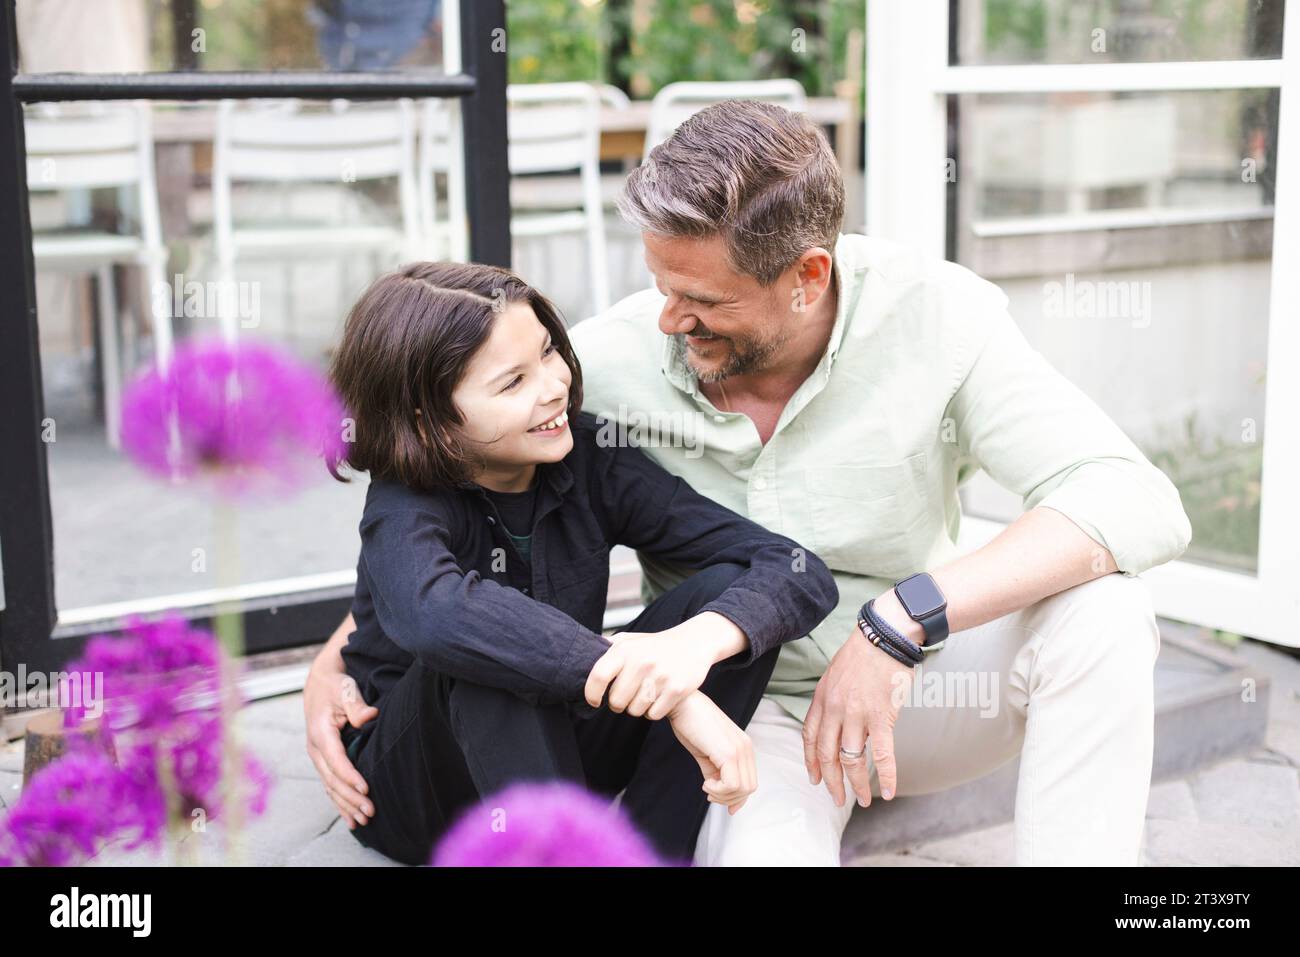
{"type": "Point", "coordinates": [30, 635]}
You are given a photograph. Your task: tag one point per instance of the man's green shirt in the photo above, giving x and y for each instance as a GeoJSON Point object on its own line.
{"type": "Point", "coordinates": [926, 379]}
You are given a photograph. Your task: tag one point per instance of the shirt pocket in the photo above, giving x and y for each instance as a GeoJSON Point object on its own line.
{"type": "Point", "coordinates": [870, 519]}
{"type": "Point", "coordinates": [594, 564]}
{"type": "Point", "coordinates": [579, 586]}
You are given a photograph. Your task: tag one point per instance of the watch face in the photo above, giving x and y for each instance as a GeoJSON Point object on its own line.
{"type": "Point", "coordinates": [920, 596]}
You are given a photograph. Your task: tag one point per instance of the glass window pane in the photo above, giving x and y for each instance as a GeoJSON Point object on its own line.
{"type": "Point", "coordinates": [1036, 159]}
{"type": "Point", "coordinates": [1115, 31]}
{"type": "Point", "coordinates": [1133, 234]}
{"type": "Point", "coordinates": [314, 215]}
{"type": "Point", "coordinates": [127, 36]}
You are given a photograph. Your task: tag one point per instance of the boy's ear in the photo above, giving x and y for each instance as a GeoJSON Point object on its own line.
{"type": "Point", "coordinates": [419, 427]}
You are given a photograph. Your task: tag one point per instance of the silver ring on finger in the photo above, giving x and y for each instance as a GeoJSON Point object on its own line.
{"type": "Point", "coordinates": [845, 753]}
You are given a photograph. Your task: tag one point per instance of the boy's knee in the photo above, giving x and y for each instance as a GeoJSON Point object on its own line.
{"type": "Point", "coordinates": [467, 697]}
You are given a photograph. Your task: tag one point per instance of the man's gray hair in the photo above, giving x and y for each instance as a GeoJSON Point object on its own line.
{"type": "Point", "coordinates": [761, 176]}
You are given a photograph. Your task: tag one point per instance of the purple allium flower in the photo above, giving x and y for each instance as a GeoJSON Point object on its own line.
{"type": "Point", "coordinates": [252, 417]}
{"type": "Point", "coordinates": [162, 713]}
{"type": "Point", "coordinates": [68, 810]}
{"type": "Point", "coordinates": [553, 824]}
{"type": "Point", "coordinates": [151, 676]}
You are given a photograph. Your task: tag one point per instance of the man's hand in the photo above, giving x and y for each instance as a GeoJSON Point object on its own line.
{"type": "Point", "coordinates": [856, 702]}
{"type": "Point", "coordinates": [653, 673]}
{"type": "Point", "coordinates": [725, 753]}
{"type": "Point", "coordinates": [331, 699]}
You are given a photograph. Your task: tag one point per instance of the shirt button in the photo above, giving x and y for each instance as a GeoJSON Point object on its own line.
{"type": "Point", "coordinates": [719, 418]}
{"type": "Point", "coordinates": [760, 483]}
{"type": "Point", "coordinates": [491, 520]}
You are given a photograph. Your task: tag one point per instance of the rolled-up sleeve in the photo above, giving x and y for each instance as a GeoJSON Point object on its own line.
{"type": "Point", "coordinates": [785, 590]}
{"type": "Point", "coordinates": [1040, 436]}
{"type": "Point", "coordinates": [464, 625]}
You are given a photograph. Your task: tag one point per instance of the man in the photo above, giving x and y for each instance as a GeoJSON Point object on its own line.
{"type": "Point", "coordinates": [838, 389]}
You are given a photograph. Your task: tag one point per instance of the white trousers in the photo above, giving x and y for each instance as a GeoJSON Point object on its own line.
{"type": "Point", "coordinates": [1065, 683]}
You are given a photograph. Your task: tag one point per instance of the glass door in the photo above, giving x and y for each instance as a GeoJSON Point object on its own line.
{"type": "Point", "coordinates": [170, 170]}
{"type": "Point", "coordinates": [1119, 170]}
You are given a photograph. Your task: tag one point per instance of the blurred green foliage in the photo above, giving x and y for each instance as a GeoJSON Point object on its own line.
{"type": "Point", "coordinates": [555, 41]}
{"type": "Point", "coordinates": [642, 45]}
{"type": "Point", "coordinates": [1218, 480]}
{"type": "Point", "coordinates": [1032, 31]}
{"type": "Point", "coordinates": [636, 45]}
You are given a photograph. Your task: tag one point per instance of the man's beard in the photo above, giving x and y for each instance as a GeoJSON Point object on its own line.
{"type": "Point", "coordinates": [745, 356]}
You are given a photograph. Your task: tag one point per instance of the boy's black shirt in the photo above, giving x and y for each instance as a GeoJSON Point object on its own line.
{"type": "Point", "coordinates": [516, 511]}
{"type": "Point", "coordinates": [439, 580]}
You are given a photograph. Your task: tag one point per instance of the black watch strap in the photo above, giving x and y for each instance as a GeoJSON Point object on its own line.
{"type": "Point", "coordinates": [935, 627]}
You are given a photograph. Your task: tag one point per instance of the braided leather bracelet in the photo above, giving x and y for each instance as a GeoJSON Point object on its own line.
{"type": "Point", "coordinates": [887, 638]}
{"type": "Point", "coordinates": [874, 637]}
{"type": "Point", "coordinates": [887, 631]}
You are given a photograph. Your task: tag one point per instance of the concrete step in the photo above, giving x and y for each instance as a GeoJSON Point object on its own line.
{"type": "Point", "coordinates": [1210, 704]}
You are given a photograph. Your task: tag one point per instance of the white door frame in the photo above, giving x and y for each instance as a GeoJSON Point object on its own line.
{"type": "Point", "coordinates": [908, 82]}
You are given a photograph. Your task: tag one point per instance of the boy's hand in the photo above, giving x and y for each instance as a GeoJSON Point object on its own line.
{"type": "Point", "coordinates": [330, 700]}
{"type": "Point", "coordinates": [725, 753]}
{"type": "Point", "coordinates": [652, 673]}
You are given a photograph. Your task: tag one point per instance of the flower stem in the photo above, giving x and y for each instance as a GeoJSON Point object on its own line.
{"type": "Point", "coordinates": [230, 635]}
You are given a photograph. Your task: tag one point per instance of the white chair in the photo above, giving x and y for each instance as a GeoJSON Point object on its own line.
{"type": "Point", "coordinates": [553, 128]}
{"type": "Point", "coordinates": [624, 240]}
{"type": "Point", "coordinates": [613, 97]}
{"type": "Point", "coordinates": [281, 143]}
{"type": "Point", "coordinates": [677, 101]}
{"type": "Point", "coordinates": [442, 155]}
{"type": "Point", "coordinates": [93, 146]}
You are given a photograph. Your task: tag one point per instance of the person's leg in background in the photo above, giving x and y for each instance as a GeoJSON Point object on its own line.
{"type": "Point", "coordinates": [1069, 688]}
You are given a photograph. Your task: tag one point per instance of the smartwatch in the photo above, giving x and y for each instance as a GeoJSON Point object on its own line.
{"type": "Point", "coordinates": [925, 605]}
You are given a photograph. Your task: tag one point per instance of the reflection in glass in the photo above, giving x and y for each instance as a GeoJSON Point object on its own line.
{"type": "Point", "coordinates": [1133, 235]}
{"type": "Point", "coordinates": [164, 35]}
{"type": "Point", "coordinates": [990, 32]}
{"type": "Point", "coordinates": [273, 217]}
{"type": "Point", "coordinates": [1157, 155]}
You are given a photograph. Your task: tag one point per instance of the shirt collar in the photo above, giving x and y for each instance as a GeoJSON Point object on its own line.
{"type": "Point", "coordinates": [557, 475]}
{"type": "Point", "coordinates": [673, 359]}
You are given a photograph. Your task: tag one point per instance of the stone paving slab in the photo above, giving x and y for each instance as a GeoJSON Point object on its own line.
{"type": "Point", "coordinates": [11, 756]}
{"type": "Point", "coordinates": [297, 813]}
{"type": "Point", "coordinates": [897, 859]}
{"type": "Point", "coordinates": [281, 713]}
{"type": "Point", "coordinates": [1248, 794]}
{"type": "Point", "coordinates": [1243, 812]}
{"type": "Point", "coordinates": [1171, 801]}
{"type": "Point", "coordinates": [338, 848]}
{"type": "Point", "coordinates": [11, 783]}
{"type": "Point", "coordinates": [988, 847]}
{"type": "Point", "coordinates": [1283, 733]}
{"type": "Point", "coordinates": [1183, 844]}
{"type": "Point", "coordinates": [283, 752]}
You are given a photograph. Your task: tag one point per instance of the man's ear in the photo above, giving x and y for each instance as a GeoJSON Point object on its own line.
{"type": "Point", "coordinates": [813, 274]}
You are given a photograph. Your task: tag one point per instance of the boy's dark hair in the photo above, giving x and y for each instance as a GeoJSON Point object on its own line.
{"type": "Point", "coordinates": [405, 347]}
